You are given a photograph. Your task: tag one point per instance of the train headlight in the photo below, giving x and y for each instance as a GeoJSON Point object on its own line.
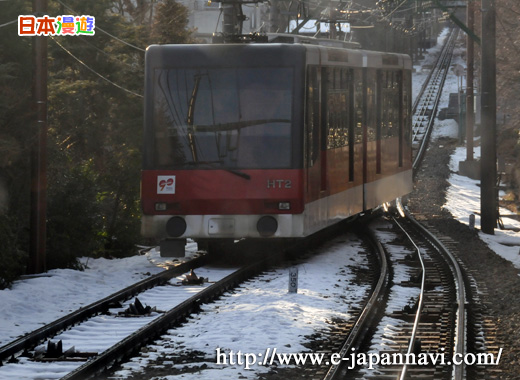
{"type": "Point", "coordinates": [160, 206]}
{"type": "Point", "coordinates": [175, 226]}
{"type": "Point", "coordinates": [284, 205]}
{"type": "Point", "coordinates": [267, 226]}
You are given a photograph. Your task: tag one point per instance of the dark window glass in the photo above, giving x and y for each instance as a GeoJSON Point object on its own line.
{"type": "Point", "coordinates": [223, 118]}
{"type": "Point", "coordinates": [390, 111]}
{"type": "Point", "coordinates": [313, 116]}
{"type": "Point", "coordinates": [359, 113]}
{"type": "Point", "coordinates": [407, 105]}
{"type": "Point", "coordinates": [371, 105]}
{"type": "Point", "coordinates": [337, 114]}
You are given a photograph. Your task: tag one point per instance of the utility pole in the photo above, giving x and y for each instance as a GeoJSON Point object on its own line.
{"type": "Point", "coordinates": [39, 149]}
{"type": "Point", "coordinates": [332, 23]}
{"type": "Point", "coordinates": [470, 115]}
{"type": "Point", "coordinates": [488, 195]}
{"type": "Point", "coordinates": [274, 16]}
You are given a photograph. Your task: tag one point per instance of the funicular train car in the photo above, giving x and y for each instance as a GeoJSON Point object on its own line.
{"type": "Point", "coordinates": [270, 140]}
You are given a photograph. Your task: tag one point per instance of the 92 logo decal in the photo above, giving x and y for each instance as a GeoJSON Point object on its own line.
{"type": "Point", "coordinates": [166, 184]}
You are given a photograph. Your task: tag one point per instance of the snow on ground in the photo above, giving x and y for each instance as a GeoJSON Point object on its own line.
{"type": "Point", "coordinates": [104, 330]}
{"type": "Point", "coordinates": [33, 302]}
{"type": "Point", "coordinates": [262, 314]}
{"type": "Point", "coordinates": [463, 199]}
{"type": "Point", "coordinates": [463, 196]}
{"type": "Point", "coordinates": [258, 315]}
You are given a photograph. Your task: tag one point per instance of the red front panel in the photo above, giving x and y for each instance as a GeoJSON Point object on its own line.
{"type": "Point", "coordinates": [219, 192]}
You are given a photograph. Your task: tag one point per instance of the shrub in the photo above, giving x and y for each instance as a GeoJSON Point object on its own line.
{"type": "Point", "coordinates": [12, 259]}
{"type": "Point", "coordinates": [73, 218]}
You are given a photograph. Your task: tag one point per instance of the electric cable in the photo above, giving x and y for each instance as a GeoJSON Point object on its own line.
{"type": "Point", "coordinates": [94, 71]}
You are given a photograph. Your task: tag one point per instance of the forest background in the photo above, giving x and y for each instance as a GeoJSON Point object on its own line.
{"type": "Point", "coordinates": [94, 129]}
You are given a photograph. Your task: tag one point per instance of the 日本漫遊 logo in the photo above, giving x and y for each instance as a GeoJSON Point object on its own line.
{"type": "Point", "coordinates": [66, 25]}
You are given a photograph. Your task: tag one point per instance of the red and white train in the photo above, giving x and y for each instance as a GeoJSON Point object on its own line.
{"type": "Point", "coordinates": [270, 140]}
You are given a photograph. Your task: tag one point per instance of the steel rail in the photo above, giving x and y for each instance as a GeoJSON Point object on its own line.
{"type": "Point", "coordinates": [411, 345]}
{"type": "Point", "coordinates": [426, 82]}
{"type": "Point", "coordinates": [441, 73]}
{"type": "Point", "coordinates": [132, 344]}
{"type": "Point", "coordinates": [356, 333]}
{"type": "Point", "coordinates": [458, 372]}
{"type": "Point", "coordinates": [436, 72]}
{"type": "Point", "coordinates": [31, 340]}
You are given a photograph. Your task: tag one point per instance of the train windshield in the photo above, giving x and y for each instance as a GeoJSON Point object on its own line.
{"type": "Point", "coordinates": [229, 118]}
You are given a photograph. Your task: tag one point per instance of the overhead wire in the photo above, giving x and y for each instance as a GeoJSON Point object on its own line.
{"type": "Point", "coordinates": [94, 71]}
{"type": "Point", "coordinates": [85, 41]}
{"type": "Point", "coordinates": [8, 23]}
{"type": "Point", "coordinates": [395, 9]}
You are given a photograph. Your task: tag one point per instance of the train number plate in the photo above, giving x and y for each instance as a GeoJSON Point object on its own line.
{"type": "Point", "coordinates": [221, 226]}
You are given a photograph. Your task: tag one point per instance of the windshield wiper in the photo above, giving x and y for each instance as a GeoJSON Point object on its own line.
{"type": "Point", "coordinates": [239, 173]}
{"type": "Point", "coordinates": [236, 125]}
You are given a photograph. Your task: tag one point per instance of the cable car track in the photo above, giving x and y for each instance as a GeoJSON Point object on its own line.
{"type": "Point", "coordinates": [426, 103]}
{"type": "Point", "coordinates": [74, 331]}
{"type": "Point", "coordinates": [430, 324]}
{"type": "Point", "coordinates": [368, 313]}
{"type": "Point", "coordinates": [135, 333]}
{"type": "Point", "coordinates": [32, 339]}
{"type": "Point", "coordinates": [459, 332]}
{"type": "Point", "coordinates": [132, 344]}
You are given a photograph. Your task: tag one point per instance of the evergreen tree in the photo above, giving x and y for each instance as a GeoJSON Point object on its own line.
{"type": "Point", "coordinates": [95, 121]}
{"type": "Point", "coordinates": [171, 22]}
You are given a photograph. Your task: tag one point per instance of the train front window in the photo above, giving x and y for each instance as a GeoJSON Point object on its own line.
{"type": "Point", "coordinates": [236, 118]}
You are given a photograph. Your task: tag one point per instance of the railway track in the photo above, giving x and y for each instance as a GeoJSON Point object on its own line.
{"type": "Point", "coordinates": [147, 334]}
{"type": "Point", "coordinates": [367, 315]}
{"type": "Point", "coordinates": [410, 310]}
{"type": "Point", "coordinates": [183, 356]}
{"type": "Point", "coordinates": [105, 332]}
{"type": "Point", "coordinates": [34, 338]}
{"type": "Point", "coordinates": [98, 338]}
{"type": "Point", "coordinates": [426, 103]}
{"type": "Point", "coordinates": [443, 300]}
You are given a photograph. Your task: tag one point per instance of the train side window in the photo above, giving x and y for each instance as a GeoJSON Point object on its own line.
{"type": "Point", "coordinates": [343, 128]}
{"type": "Point", "coordinates": [390, 111]}
{"type": "Point", "coordinates": [379, 121]}
{"type": "Point", "coordinates": [371, 104]}
{"type": "Point", "coordinates": [312, 117]}
{"type": "Point", "coordinates": [359, 115]}
{"type": "Point", "coordinates": [351, 126]}
{"type": "Point", "coordinates": [407, 107]}
{"type": "Point", "coordinates": [337, 111]}
{"type": "Point", "coordinates": [399, 80]}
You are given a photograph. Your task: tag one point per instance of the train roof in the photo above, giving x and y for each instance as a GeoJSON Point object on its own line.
{"type": "Point", "coordinates": [301, 39]}
{"type": "Point", "coordinates": [177, 55]}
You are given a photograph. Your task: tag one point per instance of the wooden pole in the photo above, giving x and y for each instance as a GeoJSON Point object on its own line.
{"type": "Point", "coordinates": [470, 115]}
{"type": "Point", "coordinates": [39, 150]}
{"type": "Point", "coordinates": [488, 167]}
